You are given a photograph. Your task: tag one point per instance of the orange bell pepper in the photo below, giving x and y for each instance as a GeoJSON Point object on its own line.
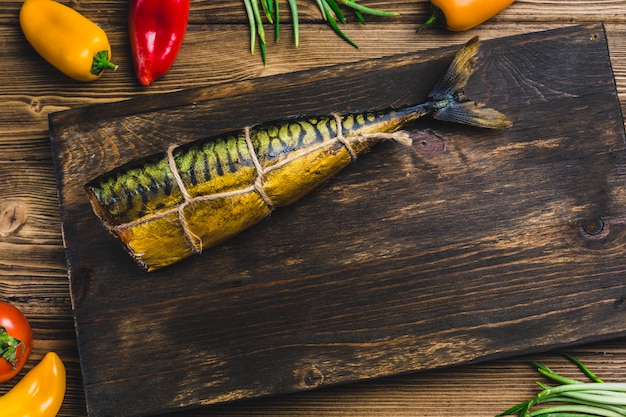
{"type": "Point", "coordinates": [460, 15]}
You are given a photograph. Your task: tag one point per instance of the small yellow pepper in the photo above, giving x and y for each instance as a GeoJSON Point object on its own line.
{"type": "Point", "coordinates": [66, 39]}
{"type": "Point", "coordinates": [39, 393]}
{"type": "Point", "coordinates": [460, 15]}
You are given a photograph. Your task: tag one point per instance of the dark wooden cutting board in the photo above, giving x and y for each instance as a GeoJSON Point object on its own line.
{"type": "Point", "coordinates": [470, 245]}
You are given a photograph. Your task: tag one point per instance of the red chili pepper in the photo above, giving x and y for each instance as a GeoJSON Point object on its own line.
{"type": "Point", "coordinates": [157, 29]}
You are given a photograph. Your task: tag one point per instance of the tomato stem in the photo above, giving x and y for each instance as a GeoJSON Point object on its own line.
{"type": "Point", "coordinates": [8, 347]}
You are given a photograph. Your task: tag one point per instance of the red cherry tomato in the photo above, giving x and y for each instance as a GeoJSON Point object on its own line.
{"type": "Point", "coordinates": [16, 341]}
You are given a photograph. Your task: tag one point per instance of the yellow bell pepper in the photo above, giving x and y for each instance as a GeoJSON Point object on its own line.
{"type": "Point", "coordinates": [66, 39]}
{"type": "Point", "coordinates": [39, 393]}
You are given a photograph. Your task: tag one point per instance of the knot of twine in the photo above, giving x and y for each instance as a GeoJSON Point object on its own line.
{"type": "Point", "coordinates": [193, 241]}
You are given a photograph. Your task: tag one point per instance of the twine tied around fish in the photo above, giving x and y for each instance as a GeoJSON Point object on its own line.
{"type": "Point", "coordinates": [194, 241]}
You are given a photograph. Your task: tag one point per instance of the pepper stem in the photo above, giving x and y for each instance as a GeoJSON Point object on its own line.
{"type": "Point", "coordinates": [436, 18]}
{"type": "Point", "coordinates": [8, 347]}
{"type": "Point", "coordinates": [101, 62]}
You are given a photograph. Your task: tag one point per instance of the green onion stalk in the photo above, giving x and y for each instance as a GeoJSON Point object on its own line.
{"type": "Point", "coordinates": [573, 398]}
{"type": "Point", "coordinates": [330, 10]}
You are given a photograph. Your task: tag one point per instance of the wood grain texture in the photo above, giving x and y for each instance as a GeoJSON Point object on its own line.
{"type": "Point", "coordinates": [428, 245]}
{"type": "Point", "coordinates": [33, 272]}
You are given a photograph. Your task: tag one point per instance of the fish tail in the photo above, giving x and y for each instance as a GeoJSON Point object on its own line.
{"type": "Point", "coordinates": [449, 102]}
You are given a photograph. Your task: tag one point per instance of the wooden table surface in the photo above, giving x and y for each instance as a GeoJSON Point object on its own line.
{"type": "Point", "coordinates": [33, 272]}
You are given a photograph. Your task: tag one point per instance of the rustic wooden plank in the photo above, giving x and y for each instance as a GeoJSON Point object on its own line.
{"type": "Point", "coordinates": [490, 215]}
{"type": "Point", "coordinates": [229, 47]}
{"type": "Point", "coordinates": [233, 11]}
{"type": "Point", "coordinates": [481, 390]}
{"type": "Point", "coordinates": [223, 27]}
{"type": "Point", "coordinates": [30, 90]}
{"type": "Point", "coordinates": [33, 271]}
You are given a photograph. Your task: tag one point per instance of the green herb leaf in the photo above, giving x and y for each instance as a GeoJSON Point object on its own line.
{"type": "Point", "coordinates": [329, 9]}
{"type": "Point", "coordinates": [573, 398]}
{"type": "Point", "coordinates": [582, 367]}
{"type": "Point", "coordinates": [294, 18]}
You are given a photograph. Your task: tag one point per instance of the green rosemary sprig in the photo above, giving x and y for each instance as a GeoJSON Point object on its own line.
{"type": "Point", "coordinates": [330, 11]}
{"type": "Point", "coordinates": [573, 398]}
